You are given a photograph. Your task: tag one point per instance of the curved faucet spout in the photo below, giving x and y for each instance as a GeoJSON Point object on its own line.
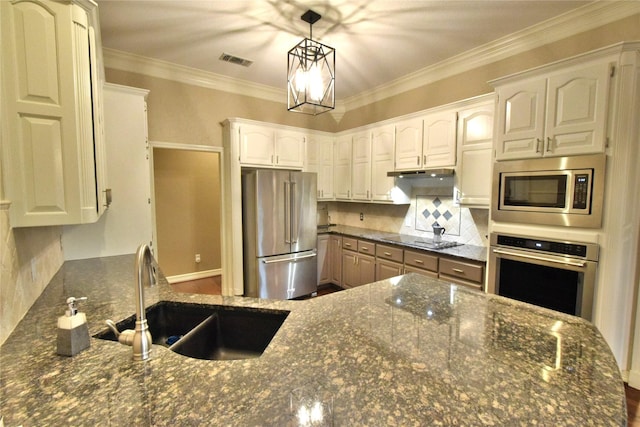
{"type": "Point", "coordinates": [142, 337]}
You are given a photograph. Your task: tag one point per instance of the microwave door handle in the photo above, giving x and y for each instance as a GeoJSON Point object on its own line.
{"type": "Point", "coordinates": [572, 263]}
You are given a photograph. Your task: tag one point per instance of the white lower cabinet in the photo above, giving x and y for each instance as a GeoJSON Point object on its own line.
{"type": "Point", "coordinates": [324, 260]}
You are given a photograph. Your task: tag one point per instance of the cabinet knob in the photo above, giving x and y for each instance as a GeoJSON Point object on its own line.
{"type": "Point", "coordinates": [418, 261]}
{"type": "Point", "coordinates": [549, 144]}
{"type": "Point", "coordinates": [538, 141]}
{"type": "Point", "coordinates": [457, 270]}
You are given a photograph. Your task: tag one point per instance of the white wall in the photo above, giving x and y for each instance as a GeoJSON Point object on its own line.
{"type": "Point", "coordinates": [127, 222]}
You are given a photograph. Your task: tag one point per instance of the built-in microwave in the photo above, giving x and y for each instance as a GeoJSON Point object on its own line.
{"type": "Point", "coordinates": [566, 191]}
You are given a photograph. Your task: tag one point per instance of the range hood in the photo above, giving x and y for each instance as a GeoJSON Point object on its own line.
{"type": "Point", "coordinates": [422, 173]}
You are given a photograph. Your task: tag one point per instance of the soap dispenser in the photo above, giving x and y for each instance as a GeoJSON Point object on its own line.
{"type": "Point", "coordinates": [73, 332]}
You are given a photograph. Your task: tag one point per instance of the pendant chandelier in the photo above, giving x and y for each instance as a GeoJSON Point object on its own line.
{"type": "Point", "coordinates": [311, 73]}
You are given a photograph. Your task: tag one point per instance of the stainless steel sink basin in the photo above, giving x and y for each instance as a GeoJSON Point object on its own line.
{"type": "Point", "coordinates": [208, 331]}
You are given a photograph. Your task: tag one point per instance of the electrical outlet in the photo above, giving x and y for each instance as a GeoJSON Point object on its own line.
{"type": "Point", "coordinates": [197, 258]}
{"type": "Point", "coordinates": [361, 216]}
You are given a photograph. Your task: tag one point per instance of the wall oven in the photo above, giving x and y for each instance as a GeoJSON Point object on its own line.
{"type": "Point", "coordinates": [565, 191]}
{"type": "Point", "coordinates": [554, 274]}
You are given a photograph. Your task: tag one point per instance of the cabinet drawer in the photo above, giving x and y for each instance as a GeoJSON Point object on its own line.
{"type": "Point", "coordinates": [366, 247]}
{"type": "Point", "coordinates": [349, 243]}
{"type": "Point", "coordinates": [421, 260]}
{"type": "Point", "coordinates": [389, 252]}
{"type": "Point", "coordinates": [470, 272]}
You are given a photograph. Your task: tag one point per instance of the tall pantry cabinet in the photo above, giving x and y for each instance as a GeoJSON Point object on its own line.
{"type": "Point", "coordinates": [53, 138]}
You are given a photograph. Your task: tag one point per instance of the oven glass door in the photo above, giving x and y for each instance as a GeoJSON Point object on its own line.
{"type": "Point", "coordinates": [541, 285]}
{"type": "Point", "coordinates": [535, 190]}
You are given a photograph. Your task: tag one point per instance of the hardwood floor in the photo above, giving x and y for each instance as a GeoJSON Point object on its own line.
{"type": "Point", "coordinates": [208, 285]}
{"type": "Point", "coordinates": [212, 285]}
{"type": "Point", "coordinates": [633, 406]}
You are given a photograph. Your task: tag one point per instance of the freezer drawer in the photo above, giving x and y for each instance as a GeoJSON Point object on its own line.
{"type": "Point", "coordinates": [285, 276]}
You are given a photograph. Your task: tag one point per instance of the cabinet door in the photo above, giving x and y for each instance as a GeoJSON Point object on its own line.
{"type": "Point", "coordinates": [313, 161]}
{"type": "Point", "coordinates": [342, 167]}
{"type": "Point", "coordinates": [324, 260]}
{"type": "Point", "coordinates": [325, 171]}
{"type": "Point", "coordinates": [439, 144]}
{"type": "Point", "coordinates": [387, 269]}
{"type": "Point", "coordinates": [361, 167]}
{"type": "Point", "coordinates": [408, 144]}
{"type": "Point", "coordinates": [256, 146]}
{"type": "Point", "coordinates": [475, 147]}
{"type": "Point", "coordinates": [366, 269]}
{"type": "Point", "coordinates": [51, 152]}
{"type": "Point", "coordinates": [335, 251]}
{"type": "Point", "coordinates": [289, 149]}
{"type": "Point", "coordinates": [350, 272]}
{"type": "Point", "coordinates": [576, 111]}
{"type": "Point", "coordinates": [520, 129]}
{"type": "Point", "coordinates": [382, 151]}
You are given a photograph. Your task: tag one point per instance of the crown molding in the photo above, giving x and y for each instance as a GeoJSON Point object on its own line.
{"type": "Point", "coordinates": [583, 19]}
{"type": "Point", "coordinates": [575, 22]}
{"type": "Point", "coordinates": [130, 62]}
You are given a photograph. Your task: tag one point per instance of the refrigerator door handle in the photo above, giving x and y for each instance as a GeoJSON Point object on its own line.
{"type": "Point", "coordinates": [289, 259]}
{"type": "Point", "coordinates": [287, 212]}
{"type": "Point", "coordinates": [294, 215]}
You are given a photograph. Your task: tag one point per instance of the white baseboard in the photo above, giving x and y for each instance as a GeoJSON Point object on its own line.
{"type": "Point", "coordinates": [194, 276]}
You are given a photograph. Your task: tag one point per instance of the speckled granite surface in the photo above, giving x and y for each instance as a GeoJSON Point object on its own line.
{"type": "Point", "coordinates": [470, 252]}
{"type": "Point", "coordinates": [400, 352]}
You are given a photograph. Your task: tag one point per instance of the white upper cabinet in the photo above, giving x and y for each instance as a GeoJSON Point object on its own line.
{"type": "Point", "coordinates": [426, 142]}
{"type": "Point", "coordinates": [342, 167]}
{"type": "Point", "coordinates": [475, 148]}
{"type": "Point", "coordinates": [408, 150]}
{"type": "Point", "coordinates": [439, 140]}
{"type": "Point", "coordinates": [289, 149]}
{"type": "Point", "coordinates": [563, 113]}
{"type": "Point", "coordinates": [256, 145]}
{"type": "Point", "coordinates": [382, 161]}
{"type": "Point", "coordinates": [53, 114]}
{"type": "Point", "coordinates": [266, 146]}
{"type": "Point", "coordinates": [361, 166]}
{"type": "Point", "coordinates": [320, 161]}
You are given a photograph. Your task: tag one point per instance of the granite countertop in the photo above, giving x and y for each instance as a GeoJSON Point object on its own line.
{"type": "Point", "coordinates": [469, 252]}
{"type": "Point", "coordinates": [405, 351]}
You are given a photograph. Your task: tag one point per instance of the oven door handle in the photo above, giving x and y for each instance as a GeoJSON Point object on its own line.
{"type": "Point", "coordinates": [581, 264]}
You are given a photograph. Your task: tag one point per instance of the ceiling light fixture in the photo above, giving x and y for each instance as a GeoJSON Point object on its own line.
{"type": "Point", "coordinates": [311, 73]}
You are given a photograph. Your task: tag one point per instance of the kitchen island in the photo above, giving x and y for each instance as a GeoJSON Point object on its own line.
{"type": "Point", "coordinates": [410, 350]}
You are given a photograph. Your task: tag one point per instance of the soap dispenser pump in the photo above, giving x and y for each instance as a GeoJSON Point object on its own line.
{"type": "Point", "coordinates": [73, 332]}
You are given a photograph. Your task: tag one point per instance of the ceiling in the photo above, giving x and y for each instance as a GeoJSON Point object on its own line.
{"type": "Point", "coordinates": [376, 42]}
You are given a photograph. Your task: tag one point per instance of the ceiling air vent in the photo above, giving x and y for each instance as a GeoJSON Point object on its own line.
{"type": "Point", "coordinates": [235, 60]}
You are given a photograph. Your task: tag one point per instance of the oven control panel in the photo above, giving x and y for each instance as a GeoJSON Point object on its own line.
{"type": "Point", "coordinates": [564, 248]}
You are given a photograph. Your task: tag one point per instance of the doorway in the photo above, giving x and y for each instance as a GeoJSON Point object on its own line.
{"type": "Point", "coordinates": [187, 200]}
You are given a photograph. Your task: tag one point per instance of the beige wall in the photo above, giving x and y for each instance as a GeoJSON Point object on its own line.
{"type": "Point", "coordinates": [187, 114]}
{"type": "Point", "coordinates": [187, 198]}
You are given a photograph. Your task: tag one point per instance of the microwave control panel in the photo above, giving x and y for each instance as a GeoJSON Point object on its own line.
{"type": "Point", "coordinates": [580, 191]}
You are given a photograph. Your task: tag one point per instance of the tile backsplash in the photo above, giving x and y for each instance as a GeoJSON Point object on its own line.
{"type": "Point", "coordinates": [428, 205]}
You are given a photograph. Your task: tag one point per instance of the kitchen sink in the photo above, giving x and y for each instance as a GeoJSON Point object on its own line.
{"type": "Point", "coordinates": [207, 332]}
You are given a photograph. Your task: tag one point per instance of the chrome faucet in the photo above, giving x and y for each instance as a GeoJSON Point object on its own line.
{"type": "Point", "coordinates": [140, 338]}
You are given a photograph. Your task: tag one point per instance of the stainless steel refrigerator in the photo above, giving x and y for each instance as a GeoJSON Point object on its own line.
{"type": "Point", "coordinates": [279, 233]}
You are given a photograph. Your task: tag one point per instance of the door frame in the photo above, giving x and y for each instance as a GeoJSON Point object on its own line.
{"type": "Point", "coordinates": [223, 219]}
